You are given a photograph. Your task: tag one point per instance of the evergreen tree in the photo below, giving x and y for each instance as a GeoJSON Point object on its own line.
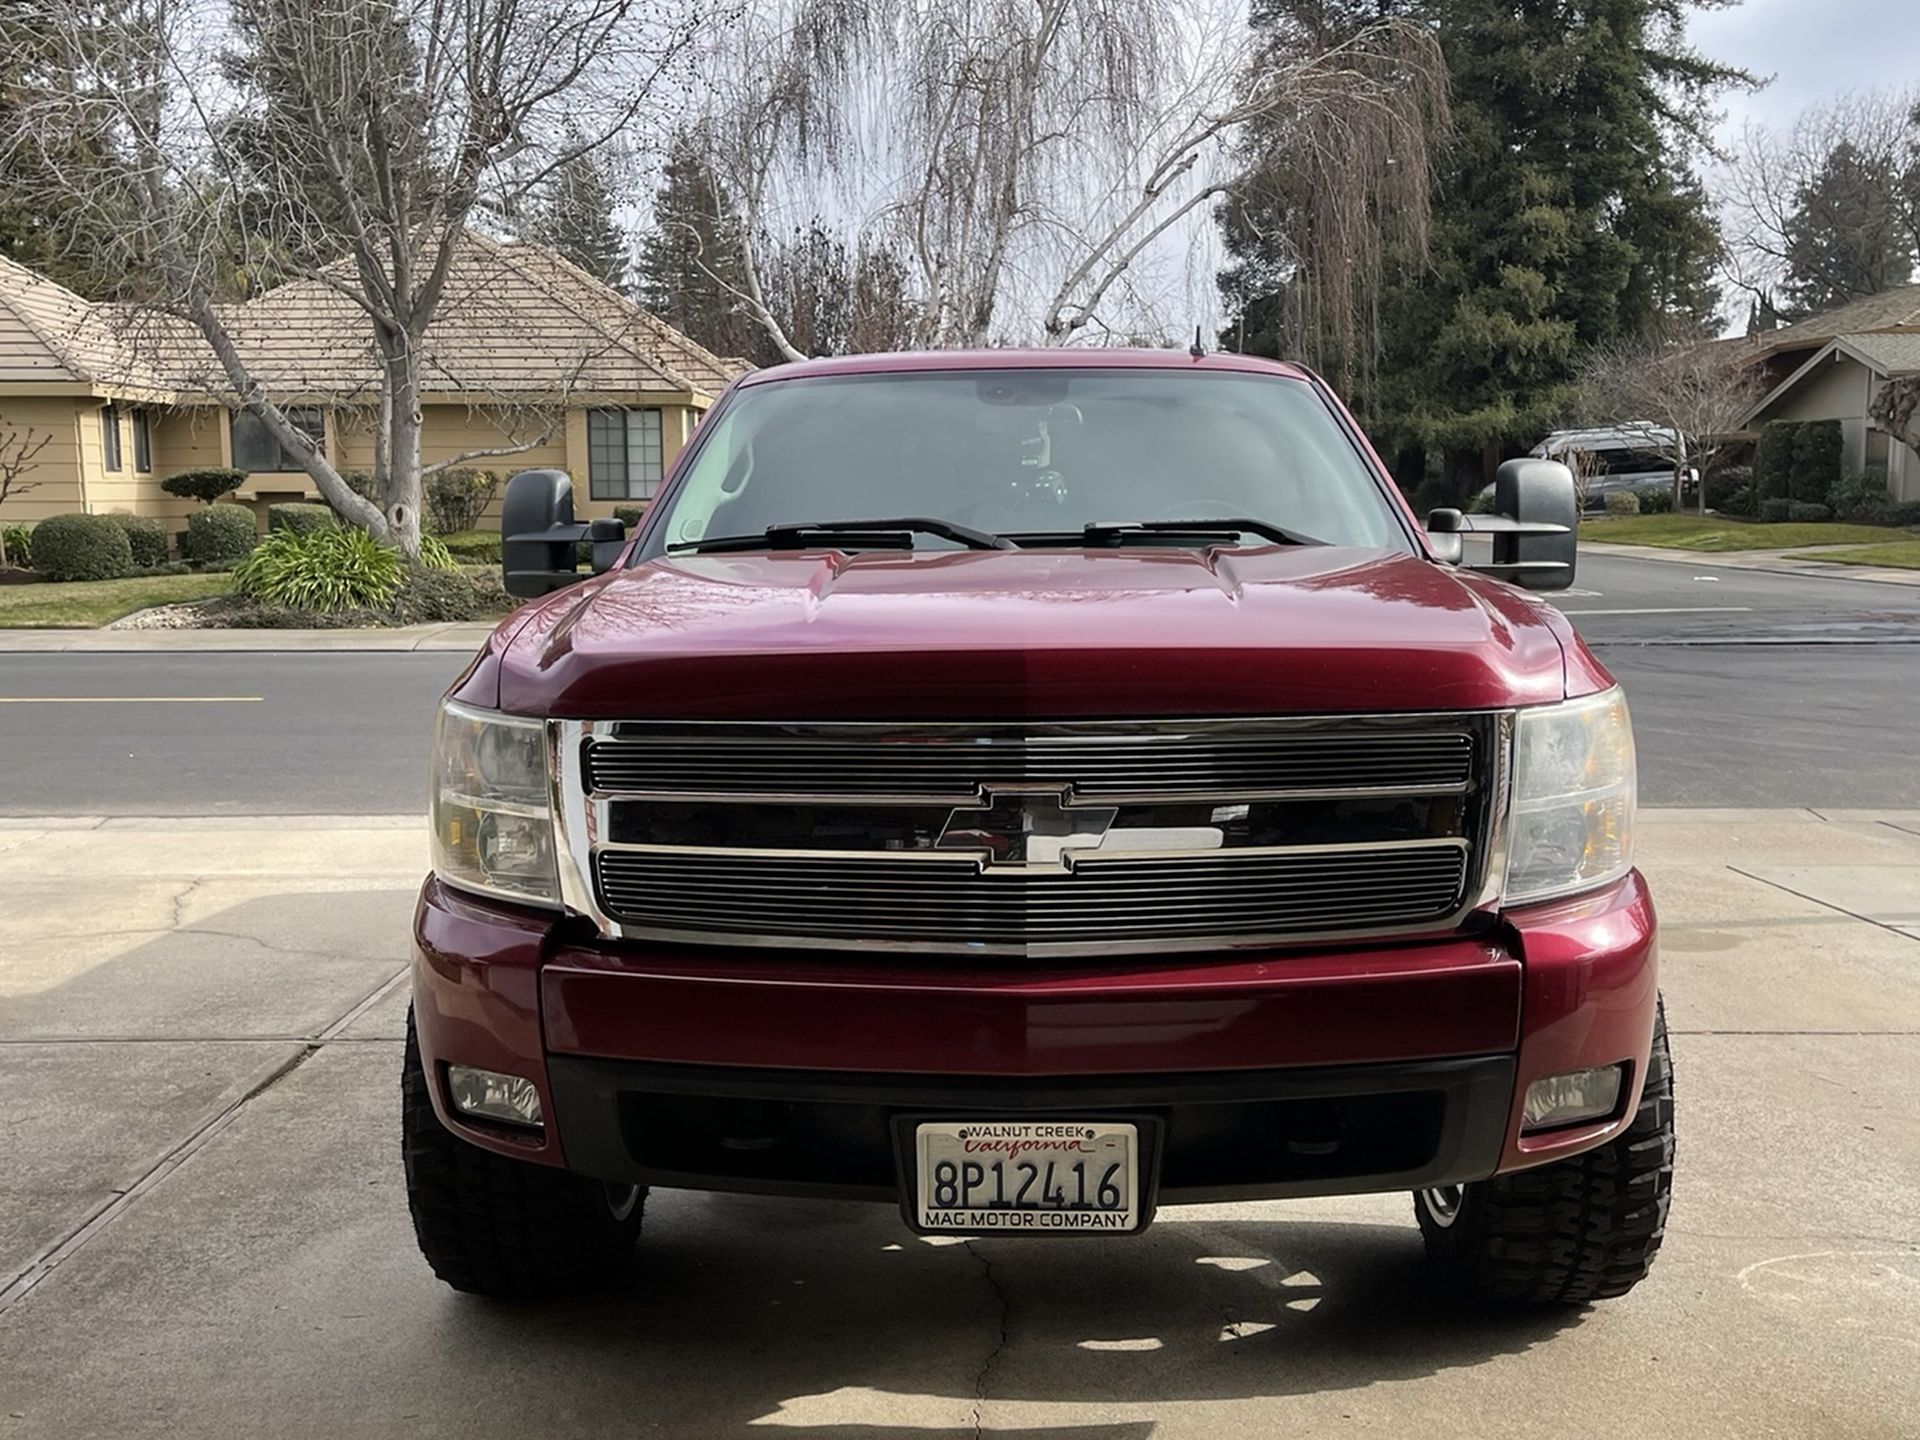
{"type": "Point", "coordinates": [1847, 236]}
{"type": "Point", "coordinates": [573, 213]}
{"type": "Point", "coordinates": [1565, 216]}
{"type": "Point", "coordinates": [694, 238]}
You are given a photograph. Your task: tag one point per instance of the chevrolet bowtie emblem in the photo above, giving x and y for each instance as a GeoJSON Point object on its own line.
{"type": "Point", "coordinates": [1026, 829]}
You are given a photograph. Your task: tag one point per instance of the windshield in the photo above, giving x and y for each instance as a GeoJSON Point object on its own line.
{"type": "Point", "coordinates": [1029, 453]}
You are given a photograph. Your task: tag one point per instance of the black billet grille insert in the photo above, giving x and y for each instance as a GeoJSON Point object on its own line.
{"type": "Point", "coordinates": [955, 903]}
{"type": "Point", "coordinates": [927, 764]}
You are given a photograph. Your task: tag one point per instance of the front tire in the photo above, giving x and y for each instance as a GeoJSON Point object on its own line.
{"type": "Point", "coordinates": [1581, 1229]}
{"type": "Point", "coordinates": [492, 1225]}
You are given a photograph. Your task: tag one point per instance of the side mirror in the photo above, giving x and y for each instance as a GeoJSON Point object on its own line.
{"type": "Point", "coordinates": [1536, 549]}
{"type": "Point", "coordinates": [1533, 526]}
{"type": "Point", "coordinates": [539, 538]}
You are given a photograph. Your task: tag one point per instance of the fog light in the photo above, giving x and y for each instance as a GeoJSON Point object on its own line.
{"type": "Point", "coordinates": [490, 1095]}
{"type": "Point", "coordinates": [1570, 1098]}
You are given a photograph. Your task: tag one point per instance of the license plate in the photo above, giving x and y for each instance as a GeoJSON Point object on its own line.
{"type": "Point", "coordinates": [1040, 1176]}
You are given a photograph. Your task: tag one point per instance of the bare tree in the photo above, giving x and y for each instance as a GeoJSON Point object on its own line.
{"type": "Point", "coordinates": [20, 447]}
{"type": "Point", "coordinates": [345, 142]}
{"type": "Point", "coordinates": [1844, 175]}
{"type": "Point", "coordinates": [1685, 396]}
{"type": "Point", "coordinates": [1033, 160]}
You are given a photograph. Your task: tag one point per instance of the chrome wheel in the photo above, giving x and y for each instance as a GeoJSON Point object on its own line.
{"type": "Point", "coordinates": [620, 1199]}
{"type": "Point", "coordinates": [1442, 1204]}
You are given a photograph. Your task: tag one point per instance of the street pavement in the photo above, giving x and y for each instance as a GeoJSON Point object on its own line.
{"type": "Point", "coordinates": [203, 1230]}
{"type": "Point", "coordinates": [204, 905]}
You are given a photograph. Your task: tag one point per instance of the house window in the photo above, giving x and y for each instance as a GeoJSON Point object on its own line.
{"type": "Point", "coordinates": [110, 437]}
{"type": "Point", "coordinates": [142, 443]}
{"type": "Point", "coordinates": [255, 449]}
{"type": "Point", "coordinates": [623, 454]}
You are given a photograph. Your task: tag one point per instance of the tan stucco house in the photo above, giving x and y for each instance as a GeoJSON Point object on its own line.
{"type": "Point", "coordinates": [1833, 366]}
{"type": "Point", "coordinates": [529, 354]}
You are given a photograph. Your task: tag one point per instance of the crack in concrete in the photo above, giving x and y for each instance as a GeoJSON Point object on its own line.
{"type": "Point", "coordinates": [980, 1379]}
{"type": "Point", "coordinates": [178, 921]}
{"type": "Point", "coordinates": [1827, 904]}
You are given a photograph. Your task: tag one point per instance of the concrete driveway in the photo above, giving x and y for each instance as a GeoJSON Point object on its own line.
{"type": "Point", "coordinates": [203, 1230]}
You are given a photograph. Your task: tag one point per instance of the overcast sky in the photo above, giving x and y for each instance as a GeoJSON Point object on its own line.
{"type": "Point", "coordinates": [1815, 49]}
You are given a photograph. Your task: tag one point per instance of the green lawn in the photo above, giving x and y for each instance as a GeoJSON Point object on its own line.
{"type": "Point", "coordinates": [88, 604]}
{"type": "Point", "coordinates": [1690, 532]}
{"type": "Point", "coordinates": [1898, 554]}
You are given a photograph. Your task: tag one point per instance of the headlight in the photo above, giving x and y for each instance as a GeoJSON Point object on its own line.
{"type": "Point", "coordinates": [1573, 798]}
{"type": "Point", "coordinates": [492, 822]}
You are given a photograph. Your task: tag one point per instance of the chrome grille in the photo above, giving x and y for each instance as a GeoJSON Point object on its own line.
{"type": "Point", "coordinates": [957, 904]}
{"type": "Point", "coordinates": [1210, 761]}
{"type": "Point", "coordinates": [1036, 839]}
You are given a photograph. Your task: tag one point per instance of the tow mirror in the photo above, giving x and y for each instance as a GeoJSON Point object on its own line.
{"type": "Point", "coordinates": [1533, 526]}
{"type": "Point", "coordinates": [540, 539]}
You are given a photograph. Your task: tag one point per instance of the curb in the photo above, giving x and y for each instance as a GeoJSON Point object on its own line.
{"type": "Point", "coordinates": [1765, 562]}
{"type": "Point", "coordinates": [462, 638]}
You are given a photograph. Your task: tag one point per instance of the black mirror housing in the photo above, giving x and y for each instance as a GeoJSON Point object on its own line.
{"type": "Point", "coordinates": [1537, 551]}
{"type": "Point", "coordinates": [539, 538]}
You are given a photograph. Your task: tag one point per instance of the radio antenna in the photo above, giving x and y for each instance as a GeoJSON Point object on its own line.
{"type": "Point", "coordinates": [1198, 351]}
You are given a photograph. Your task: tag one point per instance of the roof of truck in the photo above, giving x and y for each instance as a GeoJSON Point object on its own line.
{"type": "Point", "coordinates": [1060, 359]}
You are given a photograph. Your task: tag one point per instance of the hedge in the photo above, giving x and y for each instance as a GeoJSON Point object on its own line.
{"type": "Point", "coordinates": [300, 518]}
{"type": "Point", "coordinates": [206, 484]}
{"type": "Point", "coordinates": [1776, 508]}
{"type": "Point", "coordinates": [145, 539]}
{"type": "Point", "coordinates": [1622, 502]}
{"type": "Point", "coordinates": [81, 547]}
{"type": "Point", "coordinates": [1817, 448]}
{"type": "Point", "coordinates": [1655, 502]}
{"type": "Point", "coordinates": [455, 499]}
{"type": "Point", "coordinates": [219, 532]}
{"type": "Point", "coordinates": [630, 516]}
{"type": "Point", "coordinates": [1803, 512]}
{"type": "Point", "coordinates": [1773, 460]}
{"type": "Point", "coordinates": [1906, 513]}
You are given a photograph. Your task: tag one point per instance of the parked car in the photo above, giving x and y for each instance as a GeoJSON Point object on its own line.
{"type": "Point", "coordinates": [1632, 458]}
{"type": "Point", "coordinates": [1030, 789]}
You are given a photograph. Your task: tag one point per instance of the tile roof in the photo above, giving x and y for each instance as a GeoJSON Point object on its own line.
{"type": "Point", "coordinates": [48, 333]}
{"type": "Point", "coordinates": [1899, 306]}
{"type": "Point", "coordinates": [1892, 352]}
{"type": "Point", "coordinates": [514, 319]}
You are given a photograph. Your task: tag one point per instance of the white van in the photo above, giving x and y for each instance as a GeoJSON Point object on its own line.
{"type": "Point", "coordinates": [1635, 457]}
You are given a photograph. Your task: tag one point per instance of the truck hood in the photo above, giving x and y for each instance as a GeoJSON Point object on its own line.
{"type": "Point", "coordinates": [1031, 634]}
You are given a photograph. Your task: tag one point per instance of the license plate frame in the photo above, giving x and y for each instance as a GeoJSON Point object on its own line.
{"type": "Point", "coordinates": [1141, 1136]}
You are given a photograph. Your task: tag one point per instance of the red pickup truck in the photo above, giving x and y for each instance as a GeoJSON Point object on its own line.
{"type": "Point", "coordinates": [1030, 789]}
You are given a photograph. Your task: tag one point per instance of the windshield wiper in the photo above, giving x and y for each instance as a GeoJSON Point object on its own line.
{"type": "Point", "coordinates": [1222, 531]}
{"type": "Point", "coordinates": [867, 534]}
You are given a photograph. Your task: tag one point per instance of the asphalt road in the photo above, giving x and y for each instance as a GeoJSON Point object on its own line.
{"type": "Point", "coordinates": [1748, 688]}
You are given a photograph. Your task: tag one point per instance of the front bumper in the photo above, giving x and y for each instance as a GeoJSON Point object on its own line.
{"type": "Point", "coordinates": [1275, 1074]}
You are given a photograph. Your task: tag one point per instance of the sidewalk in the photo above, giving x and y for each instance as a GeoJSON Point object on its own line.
{"type": "Point", "coordinates": [462, 637]}
{"type": "Point", "coordinates": [1773, 562]}
{"type": "Point", "coordinates": [201, 1024]}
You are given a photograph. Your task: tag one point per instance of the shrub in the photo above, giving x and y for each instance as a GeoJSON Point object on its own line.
{"type": "Point", "coordinates": [303, 518]}
{"type": "Point", "coordinates": [145, 539]}
{"type": "Point", "coordinates": [1817, 449]}
{"type": "Point", "coordinates": [360, 482]}
{"type": "Point", "coordinates": [1861, 495]}
{"type": "Point", "coordinates": [1723, 486]}
{"type": "Point", "coordinates": [455, 499]}
{"type": "Point", "coordinates": [436, 596]}
{"type": "Point", "coordinates": [474, 547]}
{"type": "Point", "coordinates": [1622, 502]}
{"type": "Point", "coordinates": [1906, 513]}
{"type": "Point", "coordinates": [206, 484]}
{"type": "Point", "coordinates": [1773, 460]}
{"type": "Point", "coordinates": [1434, 493]}
{"type": "Point", "coordinates": [436, 556]}
{"type": "Point", "coordinates": [81, 547]}
{"type": "Point", "coordinates": [630, 516]}
{"type": "Point", "coordinates": [1803, 512]}
{"type": "Point", "coordinates": [219, 532]}
{"type": "Point", "coordinates": [1655, 502]}
{"type": "Point", "coordinates": [324, 570]}
{"type": "Point", "coordinates": [1776, 508]}
{"type": "Point", "coordinates": [17, 541]}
